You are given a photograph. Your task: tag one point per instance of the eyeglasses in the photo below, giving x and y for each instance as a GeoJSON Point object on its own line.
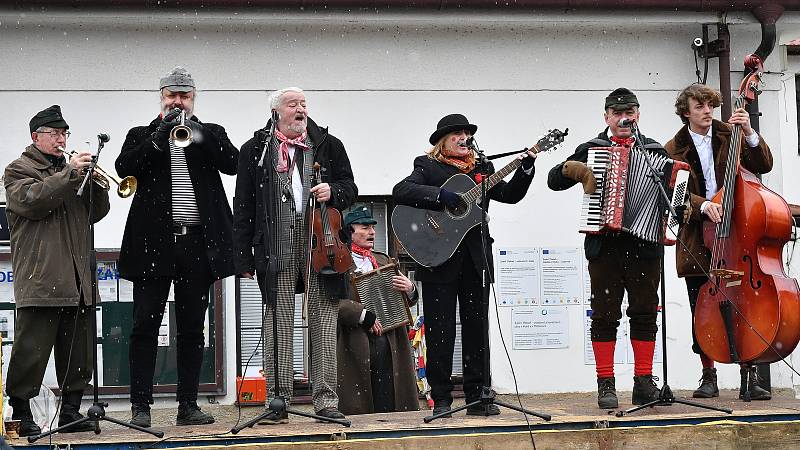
{"type": "Point", "coordinates": [56, 134]}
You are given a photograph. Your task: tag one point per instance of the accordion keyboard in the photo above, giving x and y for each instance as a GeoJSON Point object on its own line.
{"type": "Point", "coordinates": [592, 204]}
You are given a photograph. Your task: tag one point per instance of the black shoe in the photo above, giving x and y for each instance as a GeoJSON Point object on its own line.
{"type": "Point", "coordinates": [645, 389]}
{"type": "Point", "coordinates": [140, 415]}
{"type": "Point", "coordinates": [330, 413]}
{"type": "Point", "coordinates": [273, 418]}
{"type": "Point", "coordinates": [708, 384]}
{"type": "Point", "coordinates": [191, 414]}
{"type": "Point", "coordinates": [483, 410]}
{"type": "Point", "coordinates": [607, 393]}
{"type": "Point", "coordinates": [69, 413]}
{"type": "Point", "coordinates": [441, 408]}
{"type": "Point", "coordinates": [749, 376]}
{"type": "Point", "coordinates": [22, 412]}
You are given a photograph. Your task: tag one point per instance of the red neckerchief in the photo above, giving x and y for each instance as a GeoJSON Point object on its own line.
{"type": "Point", "coordinates": [365, 252]}
{"type": "Point", "coordinates": [625, 142]}
{"type": "Point", "coordinates": [283, 159]}
{"type": "Point", "coordinates": [465, 163]}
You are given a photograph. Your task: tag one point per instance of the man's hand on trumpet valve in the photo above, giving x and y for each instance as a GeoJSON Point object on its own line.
{"type": "Point", "coordinates": [80, 161]}
{"type": "Point", "coordinates": [168, 122]}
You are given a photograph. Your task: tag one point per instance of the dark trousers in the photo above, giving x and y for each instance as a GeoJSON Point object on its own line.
{"type": "Point", "coordinates": [381, 372]}
{"type": "Point", "coordinates": [619, 268]}
{"type": "Point", "coordinates": [693, 285]}
{"type": "Point", "coordinates": [38, 330]}
{"type": "Point", "coordinates": [440, 332]}
{"type": "Point", "coordinates": [192, 280]}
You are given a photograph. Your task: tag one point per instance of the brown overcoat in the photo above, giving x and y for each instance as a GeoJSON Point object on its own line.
{"type": "Point", "coordinates": [353, 358]}
{"type": "Point", "coordinates": [681, 147]}
{"type": "Point", "coordinates": [49, 227]}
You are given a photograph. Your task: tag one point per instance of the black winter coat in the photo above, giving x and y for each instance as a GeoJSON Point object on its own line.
{"type": "Point", "coordinates": [250, 219]}
{"type": "Point", "coordinates": [148, 242]}
{"type": "Point", "coordinates": [421, 190]}
{"type": "Point", "coordinates": [593, 243]}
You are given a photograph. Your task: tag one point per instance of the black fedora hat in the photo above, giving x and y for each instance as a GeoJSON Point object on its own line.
{"type": "Point", "coordinates": [450, 123]}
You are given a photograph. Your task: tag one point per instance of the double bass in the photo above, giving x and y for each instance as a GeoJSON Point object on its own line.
{"type": "Point", "coordinates": [749, 310]}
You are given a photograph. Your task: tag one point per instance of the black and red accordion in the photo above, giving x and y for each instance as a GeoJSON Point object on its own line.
{"type": "Point", "coordinates": [627, 199]}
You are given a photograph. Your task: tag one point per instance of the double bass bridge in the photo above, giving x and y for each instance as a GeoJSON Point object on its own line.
{"type": "Point", "coordinates": [732, 277]}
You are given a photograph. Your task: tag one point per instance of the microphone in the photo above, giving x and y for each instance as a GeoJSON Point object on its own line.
{"type": "Point", "coordinates": [470, 143]}
{"type": "Point", "coordinates": [103, 137]}
{"type": "Point", "coordinates": [626, 123]}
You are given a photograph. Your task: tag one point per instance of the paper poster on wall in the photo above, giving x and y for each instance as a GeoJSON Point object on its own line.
{"type": "Point", "coordinates": [6, 283]}
{"type": "Point", "coordinates": [561, 276]}
{"type": "Point", "coordinates": [620, 353]}
{"type": "Point", "coordinates": [587, 283]}
{"type": "Point", "coordinates": [99, 356]}
{"type": "Point", "coordinates": [518, 276]}
{"type": "Point", "coordinates": [107, 281]}
{"type": "Point", "coordinates": [7, 325]}
{"type": "Point", "coordinates": [540, 327]}
{"type": "Point", "coordinates": [98, 312]}
{"type": "Point", "coordinates": [125, 290]}
{"type": "Point", "coordinates": [163, 330]}
{"type": "Point", "coordinates": [207, 328]}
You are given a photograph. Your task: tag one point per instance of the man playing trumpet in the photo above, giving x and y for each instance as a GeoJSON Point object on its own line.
{"type": "Point", "coordinates": [52, 285]}
{"type": "Point", "coordinates": [178, 232]}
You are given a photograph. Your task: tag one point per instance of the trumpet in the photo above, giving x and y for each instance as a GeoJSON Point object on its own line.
{"type": "Point", "coordinates": [125, 187]}
{"type": "Point", "coordinates": [181, 135]}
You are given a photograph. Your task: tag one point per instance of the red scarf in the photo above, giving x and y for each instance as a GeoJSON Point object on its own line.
{"type": "Point", "coordinates": [283, 159]}
{"type": "Point", "coordinates": [624, 142]}
{"type": "Point", "coordinates": [465, 163]}
{"type": "Point", "coordinates": [366, 253]}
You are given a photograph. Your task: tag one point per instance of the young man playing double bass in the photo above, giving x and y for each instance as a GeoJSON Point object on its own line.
{"type": "Point", "coordinates": [703, 143]}
{"type": "Point", "coordinates": [273, 187]}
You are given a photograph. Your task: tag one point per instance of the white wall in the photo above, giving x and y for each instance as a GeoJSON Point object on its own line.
{"type": "Point", "coordinates": [381, 81]}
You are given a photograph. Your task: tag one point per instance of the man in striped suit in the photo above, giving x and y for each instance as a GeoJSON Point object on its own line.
{"type": "Point", "coordinates": [178, 233]}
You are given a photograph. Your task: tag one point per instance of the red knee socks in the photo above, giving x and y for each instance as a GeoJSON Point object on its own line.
{"type": "Point", "coordinates": [643, 357]}
{"type": "Point", "coordinates": [708, 363]}
{"type": "Point", "coordinates": [604, 358]}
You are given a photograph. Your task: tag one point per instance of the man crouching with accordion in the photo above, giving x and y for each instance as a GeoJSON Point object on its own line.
{"type": "Point", "coordinates": [622, 258]}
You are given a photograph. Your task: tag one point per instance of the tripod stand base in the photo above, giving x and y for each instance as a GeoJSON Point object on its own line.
{"type": "Point", "coordinates": [95, 414]}
{"type": "Point", "coordinates": [278, 406]}
{"type": "Point", "coordinates": [666, 398]}
{"type": "Point", "coordinates": [488, 397]}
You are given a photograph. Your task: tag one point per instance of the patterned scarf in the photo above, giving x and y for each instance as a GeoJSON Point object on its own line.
{"type": "Point", "coordinates": [283, 160]}
{"type": "Point", "coordinates": [463, 162]}
{"type": "Point", "coordinates": [366, 253]}
{"type": "Point", "coordinates": [625, 142]}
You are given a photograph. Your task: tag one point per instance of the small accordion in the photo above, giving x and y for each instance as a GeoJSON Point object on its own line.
{"type": "Point", "coordinates": [626, 198]}
{"type": "Point", "coordinates": [374, 290]}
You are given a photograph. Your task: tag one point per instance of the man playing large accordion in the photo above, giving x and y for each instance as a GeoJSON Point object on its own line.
{"type": "Point", "coordinates": [621, 260]}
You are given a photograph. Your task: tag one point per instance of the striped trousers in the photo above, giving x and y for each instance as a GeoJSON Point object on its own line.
{"type": "Point", "coordinates": [322, 317]}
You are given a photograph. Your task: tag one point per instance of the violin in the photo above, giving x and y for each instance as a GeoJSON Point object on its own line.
{"type": "Point", "coordinates": [749, 310]}
{"type": "Point", "coordinates": [329, 255]}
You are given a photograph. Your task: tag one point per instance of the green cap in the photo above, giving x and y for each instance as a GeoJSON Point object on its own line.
{"type": "Point", "coordinates": [359, 214]}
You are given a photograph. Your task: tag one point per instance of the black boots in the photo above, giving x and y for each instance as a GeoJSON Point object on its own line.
{"type": "Point", "coordinates": [22, 412]}
{"type": "Point", "coordinates": [750, 377]}
{"type": "Point", "coordinates": [190, 414]}
{"type": "Point", "coordinates": [708, 384]}
{"type": "Point", "coordinates": [607, 393]}
{"type": "Point", "coordinates": [140, 415]}
{"type": "Point", "coordinates": [644, 389]}
{"type": "Point", "coordinates": [70, 406]}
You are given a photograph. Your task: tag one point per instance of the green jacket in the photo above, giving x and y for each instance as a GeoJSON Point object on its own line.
{"type": "Point", "coordinates": [49, 231]}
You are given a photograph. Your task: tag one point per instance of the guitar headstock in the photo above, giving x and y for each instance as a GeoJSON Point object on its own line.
{"type": "Point", "coordinates": [551, 140]}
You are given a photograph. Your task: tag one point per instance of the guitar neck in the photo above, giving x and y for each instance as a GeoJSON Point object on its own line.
{"type": "Point", "coordinates": [475, 192]}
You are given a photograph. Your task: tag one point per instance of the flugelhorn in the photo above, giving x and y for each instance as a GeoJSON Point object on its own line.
{"type": "Point", "coordinates": [181, 134]}
{"type": "Point", "coordinates": [125, 187]}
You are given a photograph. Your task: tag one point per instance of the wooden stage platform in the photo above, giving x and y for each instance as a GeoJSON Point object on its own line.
{"type": "Point", "coordinates": [576, 423]}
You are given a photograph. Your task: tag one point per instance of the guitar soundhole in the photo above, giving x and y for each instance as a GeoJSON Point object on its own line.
{"type": "Point", "coordinates": [459, 211]}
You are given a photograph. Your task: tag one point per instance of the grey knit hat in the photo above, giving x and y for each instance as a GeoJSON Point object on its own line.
{"type": "Point", "coordinates": [178, 80]}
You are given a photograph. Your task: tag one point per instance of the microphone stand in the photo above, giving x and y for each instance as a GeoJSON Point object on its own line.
{"type": "Point", "coordinates": [277, 405]}
{"type": "Point", "coordinates": [665, 395]}
{"type": "Point", "coordinates": [488, 395]}
{"type": "Point", "coordinates": [97, 411]}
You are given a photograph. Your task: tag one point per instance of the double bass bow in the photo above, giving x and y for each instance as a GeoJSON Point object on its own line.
{"type": "Point", "coordinates": [749, 310]}
{"type": "Point", "coordinates": [329, 255]}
